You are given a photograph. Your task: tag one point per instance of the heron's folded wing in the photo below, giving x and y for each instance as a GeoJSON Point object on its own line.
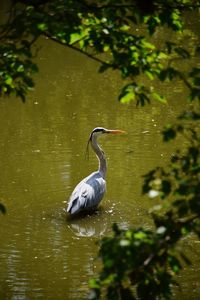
{"type": "Point", "coordinates": [87, 193]}
{"type": "Point", "coordinates": [80, 198]}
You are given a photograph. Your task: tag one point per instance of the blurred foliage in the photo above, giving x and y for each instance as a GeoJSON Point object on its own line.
{"type": "Point", "coordinates": [16, 69]}
{"type": "Point", "coordinates": [141, 263]}
{"type": "Point", "coordinates": [117, 34]}
{"type": "Point", "coordinates": [2, 208]}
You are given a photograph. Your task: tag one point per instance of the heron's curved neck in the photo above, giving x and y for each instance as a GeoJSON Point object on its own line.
{"type": "Point", "coordinates": [101, 156]}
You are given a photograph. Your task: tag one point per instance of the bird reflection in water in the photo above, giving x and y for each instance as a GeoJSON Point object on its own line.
{"type": "Point", "coordinates": [93, 226]}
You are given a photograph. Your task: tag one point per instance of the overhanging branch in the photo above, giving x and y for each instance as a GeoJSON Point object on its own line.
{"type": "Point", "coordinates": [77, 49]}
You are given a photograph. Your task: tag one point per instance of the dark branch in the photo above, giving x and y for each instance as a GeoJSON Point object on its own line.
{"type": "Point", "coordinates": [77, 49]}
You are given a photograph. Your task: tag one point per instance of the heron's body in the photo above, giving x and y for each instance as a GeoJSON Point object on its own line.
{"type": "Point", "coordinates": [87, 194]}
{"type": "Point", "coordinates": [90, 191]}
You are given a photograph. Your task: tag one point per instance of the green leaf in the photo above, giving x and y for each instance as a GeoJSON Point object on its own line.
{"type": "Point", "coordinates": [128, 94]}
{"type": "Point", "coordinates": [94, 283]}
{"type": "Point", "coordinates": [75, 37]}
{"type": "Point", "coordinates": [42, 26]}
{"type": "Point", "coordinates": [20, 69]}
{"type": "Point", "coordinates": [162, 55]}
{"type": "Point", "coordinates": [159, 97]}
{"type": "Point", "coordinates": [140, 235]}
{"type": "Point", "coordinates": [148, 45]}
{"type": "Point", "coordinates": [127, 97]}
{"type": "Point", "coordinates": [8, 80]}
{"type": "Point", "coordinates": [106, 48]}
{"type": "Point", "coordinates": [78, 36]}
{"type": "Point", "coordinates": [124, 27]}
{"type": "Point", "coordinates": [149, 74]}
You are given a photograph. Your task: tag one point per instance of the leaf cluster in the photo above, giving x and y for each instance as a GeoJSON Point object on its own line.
{"type": "Point", "coordinates": [141, 263]}
{"type": "Point", "coordinates": [16, 69]}
{"type": "Point", "coordinates": [110, 32]}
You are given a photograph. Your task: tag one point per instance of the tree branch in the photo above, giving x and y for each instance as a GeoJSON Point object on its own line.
{"type": "Point", "coordinates": [77, 49]}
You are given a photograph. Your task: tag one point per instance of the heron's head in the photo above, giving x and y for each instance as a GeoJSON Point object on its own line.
{"type": "Point", "coordinates": [100, 130]}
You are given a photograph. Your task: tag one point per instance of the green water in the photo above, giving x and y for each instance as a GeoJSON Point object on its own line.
{"type": "Point", "coordinates": [43, 253]}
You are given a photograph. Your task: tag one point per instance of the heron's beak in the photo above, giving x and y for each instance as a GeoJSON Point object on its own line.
{"type": "Point", "coordinates": [117, 131]}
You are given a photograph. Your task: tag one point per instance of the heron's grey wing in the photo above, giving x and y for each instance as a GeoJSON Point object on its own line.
{"type": "Point", "coordinates": [77, 199]}
{"type": "Point", "coordinates": [87, 194]}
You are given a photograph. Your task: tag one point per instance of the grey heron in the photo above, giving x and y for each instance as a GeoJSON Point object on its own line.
{"type": "Point", "coordinates": [90, 191]}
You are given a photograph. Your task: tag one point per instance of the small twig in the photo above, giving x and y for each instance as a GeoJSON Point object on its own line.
{"type": "Point", "coordinates": [77, 49]}
{"type": "Point", "coordinates": [181, 76]}
{"type": "Point", "coordinates": [149, 259]}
